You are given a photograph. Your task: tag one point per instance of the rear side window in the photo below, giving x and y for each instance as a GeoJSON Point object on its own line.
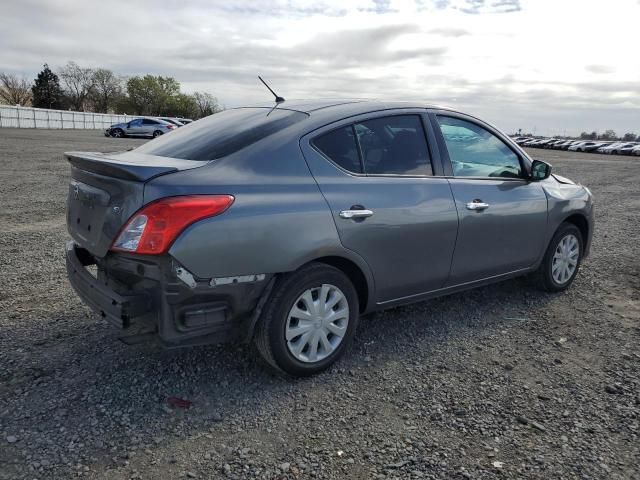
{"type": "Point", "coordinates": [222, 134]}
{"type": "Point", "coordinates": [146, 121]}
{"type": "Point", "coordinates": [394, 145]}
{"type": "Point", "coordinates": [340, 146]}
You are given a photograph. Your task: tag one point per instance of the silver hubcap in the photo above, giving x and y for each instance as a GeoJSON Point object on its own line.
{"type": "Point", "coordinates": [317, 323]}
{"type": "Point", "coordinates": [565, 259]}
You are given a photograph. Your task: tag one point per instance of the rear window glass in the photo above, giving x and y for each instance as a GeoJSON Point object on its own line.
{"type": "Point", "coordinates": [221, 134]}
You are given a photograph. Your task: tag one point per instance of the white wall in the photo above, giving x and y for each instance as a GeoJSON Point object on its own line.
{"type": "Point", "coordinates": [27, 117]}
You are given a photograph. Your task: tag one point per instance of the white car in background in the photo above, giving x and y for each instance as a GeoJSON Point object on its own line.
{"type": "Point", "coordinates": [609, 148]}
{"type": "Point", "coordinates": [588, 146]}
{"type": "Point", "coordinates": [636, 150]}
{"type": "Point", "coordinates": [625, 149]}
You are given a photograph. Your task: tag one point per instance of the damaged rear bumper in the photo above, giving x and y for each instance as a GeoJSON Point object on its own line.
{"type": "Point", "coordinates": [154, 297]}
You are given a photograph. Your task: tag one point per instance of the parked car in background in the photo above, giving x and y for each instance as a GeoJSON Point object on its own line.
{"type": "Point", "coordinates": [587, 146]}
{"type": "Point", "coordinates": [140, 127]}
{"type": "Point", "coordinates": [563, 145]}
{"type": "Point", "coordinates": [553, 144]}
{"type": "Point", "coordinates": [635, 150]}
{"type": "Point", "coordinates": [542, 143]}
{"type": "Point", "coordinates": [283, 224]}
{"type": "Point", "coordinates": [570, 144]}
{"type": "Point", "coordinates": [610, 147]}
{"type": "Point", "coordinates": [175, 121]}
{"type": "Point", "coordinates": [593, 146]}
{"type": "Point", "coordinates": [624, 149]}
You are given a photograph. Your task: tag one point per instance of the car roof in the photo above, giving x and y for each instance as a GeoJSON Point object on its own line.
{"type": "Point", "coordinates": [353, 106]}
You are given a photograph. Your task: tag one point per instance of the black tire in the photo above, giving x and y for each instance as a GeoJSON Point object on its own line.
{"type": "Point", "coordinates": [544, 275]}
{"type": "Point", "coordinates": [271, 329]}
{"type": "Point", "coordinates": [118, 133]}
{"type": "Point", "coordinates": [157, 133]}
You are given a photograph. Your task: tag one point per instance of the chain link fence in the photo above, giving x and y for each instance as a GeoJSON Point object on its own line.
{"type": "Point", "coordinates": [28, 117]}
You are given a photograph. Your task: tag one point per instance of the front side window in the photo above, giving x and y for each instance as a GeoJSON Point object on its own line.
{"type": "Point", "coordinates": [394, 145]}
{"type": "Point", "coordinates": [476, 152]}
{"type": "Point", "coordinates": [136, 123]}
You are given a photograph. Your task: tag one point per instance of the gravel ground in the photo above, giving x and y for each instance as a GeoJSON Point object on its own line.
{"type": "Point", "coordinates": [499, 382]}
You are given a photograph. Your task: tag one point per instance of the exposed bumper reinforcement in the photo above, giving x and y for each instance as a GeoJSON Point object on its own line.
{"type": "Point", "coordinates": [117, 309]}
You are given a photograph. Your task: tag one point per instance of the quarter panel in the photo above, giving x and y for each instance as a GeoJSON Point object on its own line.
{"type": "Point", "coordinates": [278, 221]}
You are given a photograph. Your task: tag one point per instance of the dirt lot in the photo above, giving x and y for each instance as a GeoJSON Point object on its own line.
{"type": "Point", "coordinates": [500, 382]}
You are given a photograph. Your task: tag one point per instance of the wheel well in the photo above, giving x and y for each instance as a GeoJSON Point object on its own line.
{"type": "Point", "coordinates": [581, 222]}
{"type": "Point", "coordinates": [354, 273]}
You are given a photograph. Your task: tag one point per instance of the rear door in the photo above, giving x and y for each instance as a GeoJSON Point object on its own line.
{"type": "Point", "coordinates": [388, 203]}
{"type": "Point", "coordinates": [503, 215]}
{"type": "Point", "coordinates": [149, 126]}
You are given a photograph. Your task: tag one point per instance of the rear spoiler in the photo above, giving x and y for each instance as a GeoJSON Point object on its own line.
{"type": "Point", "coordinates": [129, 165]}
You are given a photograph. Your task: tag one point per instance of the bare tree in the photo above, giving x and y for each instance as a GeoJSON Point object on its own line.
{"type": "Point", "coordinates": [79, 83]}
{"type": "Point", "coordinates": [14, 90]}
{"type": "Point", "coordinates": [207, 104]}
{"type": "Point", "coordinates": [107, 89]}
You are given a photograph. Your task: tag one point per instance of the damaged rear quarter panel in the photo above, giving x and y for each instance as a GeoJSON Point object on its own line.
{"type": "Point", "coordinates": [278, 221]}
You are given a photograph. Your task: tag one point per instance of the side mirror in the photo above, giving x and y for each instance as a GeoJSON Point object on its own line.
{"type": "Point", "coordinates": [540, 170]}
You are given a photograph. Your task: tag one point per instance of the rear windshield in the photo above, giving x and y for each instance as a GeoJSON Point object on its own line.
{"type": "Point", "coordinates": [221, 134]}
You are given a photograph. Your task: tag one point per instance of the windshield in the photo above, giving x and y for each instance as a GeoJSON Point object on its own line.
{"type": "Point", "coordinates": [222, 134]}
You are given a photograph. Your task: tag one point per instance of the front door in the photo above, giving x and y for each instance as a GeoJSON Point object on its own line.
{"type": "Point", "coordinates": [377, 176]}
{"type": "Point", "coordinates": [503, 215]}
{"type": "Point", "coordinates": [134, 127]}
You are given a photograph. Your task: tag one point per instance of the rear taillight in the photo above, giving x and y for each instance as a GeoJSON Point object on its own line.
{"type": "Point", "coordinates": [171, 127]}
{"type": "Point", "coordinates": [152, 230]}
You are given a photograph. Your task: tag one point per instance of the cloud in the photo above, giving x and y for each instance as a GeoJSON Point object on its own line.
{"type": "Point", "coordinates": [600, 69]}
{"type": "Point", "coordinates": [450, 32]}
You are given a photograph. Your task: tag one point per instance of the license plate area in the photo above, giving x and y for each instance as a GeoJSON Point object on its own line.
{"type": "Point", "coordinates": [86, 211]}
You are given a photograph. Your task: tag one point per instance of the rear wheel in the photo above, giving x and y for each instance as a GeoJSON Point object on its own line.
{"type": "Point", "coordinates": [157, 133]}
{"type": "Point", "coordinates": [117, 133]}
{"type": "Point", "coordinates": [309, 320]}
{"type": "Point", "coordinates": [562, 259]}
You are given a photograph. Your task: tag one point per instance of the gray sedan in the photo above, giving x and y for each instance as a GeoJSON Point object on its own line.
{"type": "Point", "coordinates": [140, 127]}
{"type": "Point", "coordinates": [283, 224]}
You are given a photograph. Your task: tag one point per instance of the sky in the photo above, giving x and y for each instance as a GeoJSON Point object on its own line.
{"type": "Point", "coordinates": [546, 66]}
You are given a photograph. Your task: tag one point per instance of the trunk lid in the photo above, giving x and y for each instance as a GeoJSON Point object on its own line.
{"type": "Point", "coordinates": [107, 189]}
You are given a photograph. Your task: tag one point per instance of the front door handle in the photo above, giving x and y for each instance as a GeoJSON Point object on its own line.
{"type": "Point", "coordinates": [477, 205]}
{"type": "Point", "coordinates": [363, 213]}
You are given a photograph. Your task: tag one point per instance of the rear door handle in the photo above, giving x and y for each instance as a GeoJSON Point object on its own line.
{"type": "Point", "coordinates": [477, 205]}
{"type": "Point", "coordinates": [355, 213]}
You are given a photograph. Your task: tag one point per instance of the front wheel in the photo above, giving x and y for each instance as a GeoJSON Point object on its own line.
{"type": "Point", "coordinates": [562, 259]}
{"type": "Point", "coordinates": [117, 133]}
{"type": "Point", "coordinates": [309, 320]}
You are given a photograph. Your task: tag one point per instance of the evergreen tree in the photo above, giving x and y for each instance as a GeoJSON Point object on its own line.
{"type": "Point", "coordinates": [46, 90]}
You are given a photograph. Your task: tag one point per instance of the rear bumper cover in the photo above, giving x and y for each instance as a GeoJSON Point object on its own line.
{"type": "Point", "coordinates": [144, 298]}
